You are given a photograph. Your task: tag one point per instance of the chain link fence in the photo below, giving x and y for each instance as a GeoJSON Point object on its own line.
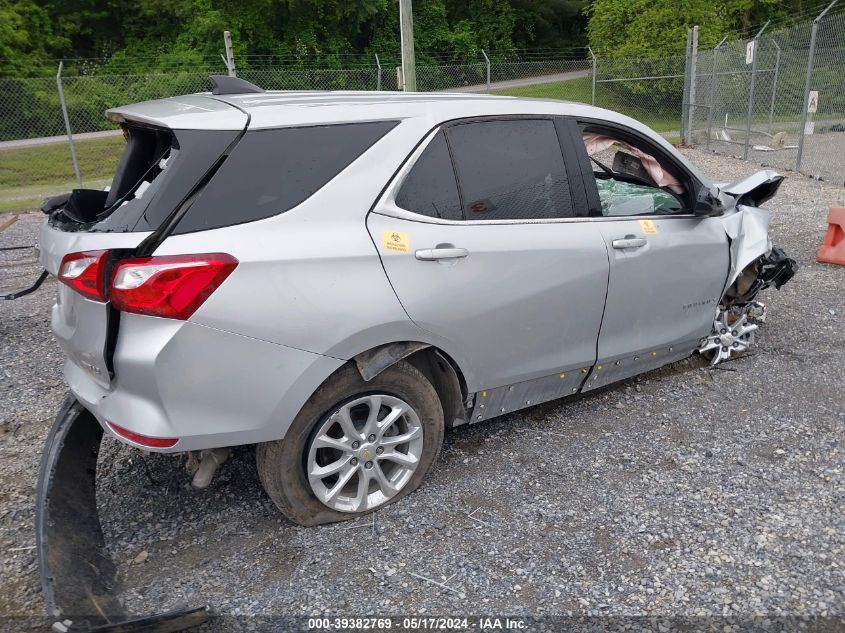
{"type": "Point", "coordinates": [37, 160]}
{"type": "Point", "coordinates": [650, 90]}
{"type": "Point", "coordinates": [777, 99]}
{"type": "Point", "coordinates": [721, 99]}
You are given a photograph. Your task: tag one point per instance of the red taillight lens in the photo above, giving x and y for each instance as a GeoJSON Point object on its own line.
{"type": "Point", "coordinates": [143, 440]}
{"type": "Point", "coordinates": [170, 286]}
{"type": "Point", "coordinates": [84, 273]}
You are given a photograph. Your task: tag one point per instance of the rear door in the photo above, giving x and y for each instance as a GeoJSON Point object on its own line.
{"type": "Point", "coordinates": [504, 266]}
{"type": "Point", "coordinates": [667, 266]}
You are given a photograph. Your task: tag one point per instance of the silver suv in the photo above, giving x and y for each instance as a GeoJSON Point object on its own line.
{"type": "Point", "coordinates": [337, 277]}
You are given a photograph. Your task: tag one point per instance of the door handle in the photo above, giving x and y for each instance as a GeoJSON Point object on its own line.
{"type": "Point", "coordinates": [433, 254]}
{"type": "Point", "coordinates": [629, 241]}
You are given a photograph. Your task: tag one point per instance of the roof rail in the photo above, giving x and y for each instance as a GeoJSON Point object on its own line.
{"type": "Point", "coordinates": [225, 85]}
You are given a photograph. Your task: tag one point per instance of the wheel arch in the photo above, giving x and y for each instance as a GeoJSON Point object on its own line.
{"type": "Point", "coordinates": [441, 370]}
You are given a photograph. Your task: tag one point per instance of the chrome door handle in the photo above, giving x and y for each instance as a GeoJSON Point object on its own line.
{"type": "Point", "coordinates": [629, 242]}
{"type": "Point", "coordinates": [433, 254]}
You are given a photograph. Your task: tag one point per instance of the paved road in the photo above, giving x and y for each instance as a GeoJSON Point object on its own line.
{"type": "Point", "coordinates": [527, 81]}
{"type": "Point", "coordinates": [50, 140]}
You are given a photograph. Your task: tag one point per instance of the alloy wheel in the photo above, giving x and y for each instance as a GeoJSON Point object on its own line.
{"type": "Point", "coordinates": [364, 453]}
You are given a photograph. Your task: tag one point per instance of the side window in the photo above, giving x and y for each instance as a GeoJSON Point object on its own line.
{"type": "Point", "coordinates": [430, 187]}
{"type": "Point", "coordinates": [511, 170]}
{"type": "Point", "coordinates": [631, 181]}
{"type": "Point", "coordinates": [272, 171]}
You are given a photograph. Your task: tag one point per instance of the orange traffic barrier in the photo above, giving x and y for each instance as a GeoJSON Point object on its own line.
{"type": "Point", "coordinates": [832, 249]}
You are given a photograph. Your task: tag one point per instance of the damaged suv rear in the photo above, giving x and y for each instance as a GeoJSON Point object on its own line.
{"type": "Point", "coordinates": [337, 278]}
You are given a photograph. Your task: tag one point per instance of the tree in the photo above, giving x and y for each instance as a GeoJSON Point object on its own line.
{"type": "Point", "coordinates": [26, 37]}
{"type": "Point", "coordinates": [658, 28]}
{"type": "Point", "coordinates": [653, 28]}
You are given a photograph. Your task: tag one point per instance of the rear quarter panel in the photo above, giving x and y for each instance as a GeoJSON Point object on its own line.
{"type": "Point", "coordinates": [311, 278]}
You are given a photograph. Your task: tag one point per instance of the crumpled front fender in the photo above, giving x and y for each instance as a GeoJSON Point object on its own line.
{"type": "Point", "coordinates": [746, 224]}
{"type": "Point", "coordinates": [748, 233]}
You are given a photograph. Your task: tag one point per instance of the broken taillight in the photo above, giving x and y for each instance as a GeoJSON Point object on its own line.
{"type": "Point", "coordinates": [169, 286]}
{"type": "Point", "coordinates": [84, 273]}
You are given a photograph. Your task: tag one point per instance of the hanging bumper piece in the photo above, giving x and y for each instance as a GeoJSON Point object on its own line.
{"type": "Point", "coordinates": [78, 578]}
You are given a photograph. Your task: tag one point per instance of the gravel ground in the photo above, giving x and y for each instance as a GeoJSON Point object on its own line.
{"type": "Point", "coordinates": [823, 158]}
{"type": "Point", "coordinates": [686, 492]}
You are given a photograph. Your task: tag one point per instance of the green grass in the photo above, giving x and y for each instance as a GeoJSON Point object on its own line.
{"type": "Point", "coordinates": [581, 90]}
{"type": "Point", "coordinates": [19, 205]}
{"type": "Point", "coordinates": [569, 90]}
{"type": "Point", "coordinates": [29, 174]}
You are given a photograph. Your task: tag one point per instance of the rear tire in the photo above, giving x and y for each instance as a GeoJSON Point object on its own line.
{"type": "Point", "coordinates": [396, 422]}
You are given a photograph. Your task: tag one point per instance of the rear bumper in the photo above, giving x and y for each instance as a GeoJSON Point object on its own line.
{"type": "Point", "coordinates": [207, 387]}
{"type": "Point", "coordinates": [78, 578]}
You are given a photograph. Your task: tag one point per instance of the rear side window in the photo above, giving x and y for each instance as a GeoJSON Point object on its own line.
{"type": "Point", "coordinates": [272, 171]}
{"type": "Point", "coordinates": [157, 169]}
{"type": "Point", "coordinates": [511, 170]}
{"type": "Point", "coordinates": [430, 188]}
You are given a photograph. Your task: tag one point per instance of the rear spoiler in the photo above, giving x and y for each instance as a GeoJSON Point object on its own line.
{"type": "Point", "coordinates": [188, 112]}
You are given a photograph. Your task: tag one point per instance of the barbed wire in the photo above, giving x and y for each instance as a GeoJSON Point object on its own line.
{"type": "Point", "coordinates": [796, 19]}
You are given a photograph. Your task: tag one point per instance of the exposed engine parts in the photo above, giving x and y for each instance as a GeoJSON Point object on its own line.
{"type": "Point", "coordinates": [739, 314]}
{"type": "Point", "coordinates": [774, 269]}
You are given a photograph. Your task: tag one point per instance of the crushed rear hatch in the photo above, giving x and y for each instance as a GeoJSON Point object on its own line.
{"type": "Point", "coordinates": [161, 168]}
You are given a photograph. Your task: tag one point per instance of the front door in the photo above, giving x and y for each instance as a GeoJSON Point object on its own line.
{"type": "Point", "coordinates": [505, 268]}
{"type": "Point", "coordinates": [667, 267]}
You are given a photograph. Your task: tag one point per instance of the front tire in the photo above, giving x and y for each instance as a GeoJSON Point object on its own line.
{"type": "Point", "coordinates": [355, 446]}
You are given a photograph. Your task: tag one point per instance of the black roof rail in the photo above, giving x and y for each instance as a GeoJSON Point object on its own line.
{"type": "Point", "coordinates": [225, 85]}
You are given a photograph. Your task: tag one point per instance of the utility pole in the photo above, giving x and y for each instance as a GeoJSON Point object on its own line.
{"type": "Point", "coordinates": [406, 28]}
{"type": "Point", "coordinates": [230, 55]}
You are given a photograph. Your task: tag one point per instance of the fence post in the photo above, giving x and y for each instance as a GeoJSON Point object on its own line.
{"type": "Point", "coordinates": [713, 79]}
{"type": "Point", "coordinates": [774, 85]}
{"type": "Point", "coordinates": [230, 55]}
{"type": "Point", "coordinates": [808, 83]}
{"type": "Point", "coordinates": [755, 53]}
{"type": "Point", "coordinates": [692, 81]}
{"type": "Point", "coordinates": [378, 79]}
{"type": "Point", "coordinates": [487, 62]}
{"type": "Point", "coordinates": [685, 98]}
{"type": "Point", "coordinates": [593, 93]}
{"type": "Point", "coordinates": [67, 125]}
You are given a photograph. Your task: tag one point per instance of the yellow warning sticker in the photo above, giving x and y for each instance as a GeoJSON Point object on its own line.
{"type": "Point", "coordinates": [396, 241]}
{"type": "Point", "coordinates": [648, 227]}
